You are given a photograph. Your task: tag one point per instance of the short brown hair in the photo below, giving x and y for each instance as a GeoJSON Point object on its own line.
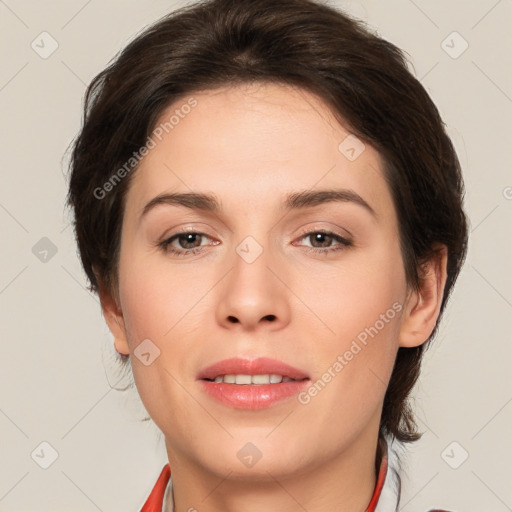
{"type": "Point", "coordinates": [362, 78]}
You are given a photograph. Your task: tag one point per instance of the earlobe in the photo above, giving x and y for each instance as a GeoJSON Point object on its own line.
{"type": "Point", "coordinates": [423, 306]}
{"type": "Point", "coordinates": [114, 318]}
{"type": "Point", "coordinates": [120, 341]}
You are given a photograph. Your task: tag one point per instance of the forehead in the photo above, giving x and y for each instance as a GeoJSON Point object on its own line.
{"type": "Point", "coordinates": [252, 145]}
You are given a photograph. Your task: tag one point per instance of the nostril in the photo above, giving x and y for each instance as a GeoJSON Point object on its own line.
{"type": "Point", "coordinates": [232, 319]}
{"type": "Point", "coordinates": [270, 317]}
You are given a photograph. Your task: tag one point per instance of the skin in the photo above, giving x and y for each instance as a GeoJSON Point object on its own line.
{"type": "Point", "coordinates": [251, 146]}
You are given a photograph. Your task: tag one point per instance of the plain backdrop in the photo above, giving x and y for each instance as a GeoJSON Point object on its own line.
{"type": "Point", "coordinates": [57, 374]}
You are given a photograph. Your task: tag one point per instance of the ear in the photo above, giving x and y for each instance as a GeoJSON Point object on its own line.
{"type": "Point", "coordinates": [422, 306]}
{"type": "Point", "coordinates": [113, 315]}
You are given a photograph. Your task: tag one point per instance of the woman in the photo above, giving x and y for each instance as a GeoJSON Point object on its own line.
{"type": "Point", "coordinates": [270, 210]}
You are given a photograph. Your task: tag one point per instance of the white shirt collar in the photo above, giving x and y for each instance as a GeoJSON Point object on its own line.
{"type": "Point", "coordinates": [389, 496]}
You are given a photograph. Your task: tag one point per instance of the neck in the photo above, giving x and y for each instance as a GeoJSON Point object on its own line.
{"type": "Point", "coordinates": [344, 481]}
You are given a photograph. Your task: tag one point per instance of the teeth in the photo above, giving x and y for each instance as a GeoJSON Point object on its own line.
{"type": "Point", "coordinates": [252, 379]}
{"type": "Point", "coordinates": [243, 379]}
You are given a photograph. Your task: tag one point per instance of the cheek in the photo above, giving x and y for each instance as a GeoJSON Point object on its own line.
{"type": "Point", "coordinates": [155, 297]}
{"type": "Point", "coordinates": [353, 295]}
{"type": "Point", "coordinates": [149, 311]}
{"type": "Point", "coordinates": [358, 308]}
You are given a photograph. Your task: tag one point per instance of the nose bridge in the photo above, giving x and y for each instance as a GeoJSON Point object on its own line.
{"type": "Point", "coordinates": [252, 240]}
{"type": "Point", "coordinates": [250, 278]}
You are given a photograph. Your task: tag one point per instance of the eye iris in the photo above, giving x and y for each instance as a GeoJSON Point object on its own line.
{"type": "Point", "coordinates": [317, 237]}
{"type": "Point", "coordinates": [189, 239]}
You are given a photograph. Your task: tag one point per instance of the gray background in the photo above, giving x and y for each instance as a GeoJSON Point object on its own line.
{"type": "Point", "coordinates": [56, 368]}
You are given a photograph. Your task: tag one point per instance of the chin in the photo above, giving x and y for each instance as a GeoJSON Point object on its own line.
{"type": "Point", "coordinates": [256, 458]}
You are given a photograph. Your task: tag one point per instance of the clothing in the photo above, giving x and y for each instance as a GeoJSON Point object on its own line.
{"type": "Point", "coordinates": [385, 495]}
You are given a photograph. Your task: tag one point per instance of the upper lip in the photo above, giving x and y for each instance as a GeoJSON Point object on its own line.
{"type": "Point", "coordinates": [259, 366]}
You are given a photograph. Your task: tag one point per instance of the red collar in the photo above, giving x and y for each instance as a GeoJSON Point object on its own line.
{"type": "Point", "coordinates": [155, 499]}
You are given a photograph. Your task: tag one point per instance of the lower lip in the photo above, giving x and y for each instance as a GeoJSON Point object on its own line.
{"type": "Point", "coordinates": [247, 396]}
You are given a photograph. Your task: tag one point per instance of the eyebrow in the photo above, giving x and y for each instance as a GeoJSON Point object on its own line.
{"type": "Point", "coordinates": [295, 201]}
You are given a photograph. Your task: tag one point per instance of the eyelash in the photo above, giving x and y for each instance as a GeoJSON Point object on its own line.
{"type": "Point", "coordinates": [165, 245]}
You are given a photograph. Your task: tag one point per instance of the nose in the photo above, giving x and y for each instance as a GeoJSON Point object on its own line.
{"type": "Point", "coordinates": [254, 296]}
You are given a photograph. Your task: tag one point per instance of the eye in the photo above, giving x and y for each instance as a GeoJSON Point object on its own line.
{"type": "Point", "coordinates": [188, 243]}
{"type": "Point", "coordinates": [184, 243]}
{"type": "Point", "coordinates": [321, 241]}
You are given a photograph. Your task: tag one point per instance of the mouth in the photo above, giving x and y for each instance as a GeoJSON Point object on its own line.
{"type": "Point", "coordinates": [251, 384]}
{"type": "Point", "coordinates": [262, 370]}
{"type": "Point", "coordinates": [255, 380]}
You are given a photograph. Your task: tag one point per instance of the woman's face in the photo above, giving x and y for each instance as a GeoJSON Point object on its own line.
{"type": "Point", "coordinates": [256, 278]}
